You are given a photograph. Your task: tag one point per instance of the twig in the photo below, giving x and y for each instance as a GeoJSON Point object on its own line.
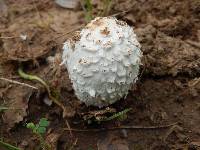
{"type": "Point", "coordinates": [69, 128]}
{"type": "Point", "coordinates": [120, 13]}
{"type": "Point", "coordinates": [171, 130]}
{"type": "Point", "coordinates": [195, 44]}
{"type": "Point", "coordinates": [8, 146]}
{"type": "Point", "coordinates": [195, 82]}
{"type": "Point", "coordinates": [3, 108]}
{"type": "Point", "coordinates": [123, 127]}
{"type": "Point", "coordinates": [73, 30]}
{"type": "Point", "coordinates": [19, 83]}
{"type": "Point", "coordinates": [73, 144]}
{"type": "Point", "coordinates": [9, 37]}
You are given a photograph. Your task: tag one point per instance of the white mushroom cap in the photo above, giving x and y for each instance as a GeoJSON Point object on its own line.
{"type": "Point", "coordinates": [103, 61]}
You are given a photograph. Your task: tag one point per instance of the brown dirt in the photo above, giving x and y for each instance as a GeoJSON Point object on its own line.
{"type": "Point", "coordinates": [168, 90]}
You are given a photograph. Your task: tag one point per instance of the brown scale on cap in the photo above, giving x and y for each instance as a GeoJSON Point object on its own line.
{"type": "Point", "coordinates": [105, 31]}
{"type": "Point", "coordinates": [88, 35]}
{"type": "Point", "coordinates": [121, 23]}
{"type": "Point", "coordinates": [98, 41]}
{"type": "Point", "coordinates": [129, 51]}
{"type": "Point", "coordinates": [98, 22]}
{"type": "Point", "coordinates": [108, 44]}
{"type": "Point", "coordinates": [75, 38]}
{"type": "Point", "coordinates": [72, 43]}
{"type": "Point", "coordinates": [83, 61]}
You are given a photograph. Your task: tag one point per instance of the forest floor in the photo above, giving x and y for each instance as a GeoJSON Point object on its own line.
{"type": "Point", "coordinates": [167, 93]}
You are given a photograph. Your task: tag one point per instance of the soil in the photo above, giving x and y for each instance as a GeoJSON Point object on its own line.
{"type": "Point", "coordinates": [167, 92]}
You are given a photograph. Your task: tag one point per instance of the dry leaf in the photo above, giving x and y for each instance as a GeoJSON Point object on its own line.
{"type": "Point", "coordinates": [17, 102]}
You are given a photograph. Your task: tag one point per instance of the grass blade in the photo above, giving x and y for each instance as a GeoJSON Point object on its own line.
{"type": "Point", "coordinates": [8, 146]}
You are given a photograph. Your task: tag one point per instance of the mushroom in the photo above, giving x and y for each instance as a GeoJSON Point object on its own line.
{"type": "Point", "coordinates": [103, 61]}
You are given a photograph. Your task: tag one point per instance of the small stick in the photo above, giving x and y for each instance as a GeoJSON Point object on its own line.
{"type": "Point", "coordinates": [195, 44]}
{"type": "Point", "coordinates": [73, 30]}
{"type": "Point", "coordinates": [195, 83]}
{"type": "Point", "coordinates": [120, 13]}
{"type": "Point", "coordinates": [74, 144]}
{"type": "Point", "coordinates": [19, 83]}
{"type": "Point", "coordinates": [122, 127]}
{"type": "Point", "coordinates": [9, 37]}
{"type": "Point", "coordinates": [69, 128]}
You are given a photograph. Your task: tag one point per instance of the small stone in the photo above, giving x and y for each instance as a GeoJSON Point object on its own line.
{"type": "Point", "coordinates": [68, 3]}
{"type": "Point", "coordinates": [47, 101]}
{"type": "Point", "coordinates": [124, 133]}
